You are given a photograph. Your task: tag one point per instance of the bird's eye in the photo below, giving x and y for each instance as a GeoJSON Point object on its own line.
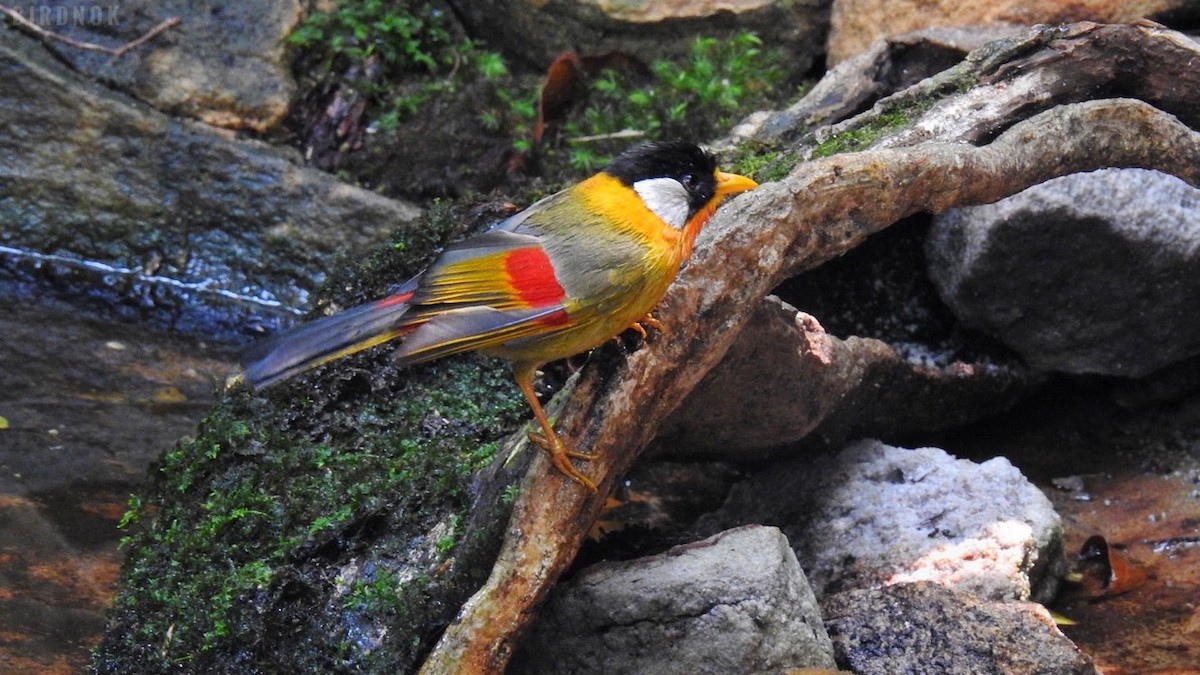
{"type": "Point", "coordinates": [689, 181]}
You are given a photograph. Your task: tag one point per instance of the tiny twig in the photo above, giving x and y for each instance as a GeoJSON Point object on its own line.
{"type": "Point", "coordinates": [150, 35]}
{"type": "Point", "coordinates": [89, 46]}
{"type": "Point", "coordinates": [614, 136]}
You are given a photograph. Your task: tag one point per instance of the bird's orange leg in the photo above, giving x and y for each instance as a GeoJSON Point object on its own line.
{"type": "Point", "coordinates": [648, 320]}
{"type": "Point", "coordinates": [560, 453]}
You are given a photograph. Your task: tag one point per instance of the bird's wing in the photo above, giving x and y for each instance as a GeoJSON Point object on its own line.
{"type": "Point", "coordinates": [484, 291]}
{"type": "Point", "coordinates": [477, 328]}
{"type": "Point", "coordinates": [500, 269]}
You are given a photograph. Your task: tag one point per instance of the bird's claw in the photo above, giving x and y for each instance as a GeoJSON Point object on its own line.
{"type": "Point", "coordinates": [561, 456]}
{"type": "Point", "coordinates": [648, 320]}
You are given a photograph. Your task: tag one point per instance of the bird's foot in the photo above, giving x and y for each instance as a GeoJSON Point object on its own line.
{"type": "Point", "coordinates": [647, 321]}
{"type": "Point", "coordinates": [561, 456]}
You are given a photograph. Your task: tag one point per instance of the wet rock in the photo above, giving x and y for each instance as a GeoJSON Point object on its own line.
{"type": "Point", "coordinates": [224, 64]}
{"type": "Point", "coordinates": [876, 515]}
{"type": "Point", "coordinates": [1089, 273]}
{"type": "Point", "coordinates": [855, 24]}
{"type": "Point", "coordinates": [923, 627]}
{"type": "Point", "coordinates": [165, 220]}
{"type": "Point", "coordinates": [92, 402]}
{"type": "Point", "coordinates": [787, 376]}
{"type": "Point", "coordinates": [537, 32]}
{"type": "Point", "coordinates": [88, 405]}
{"type": "Point", "coordinates": [734, 603]}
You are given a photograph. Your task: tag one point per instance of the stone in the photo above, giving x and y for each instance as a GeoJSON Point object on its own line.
{"type": "Point", "coordinates": [1095, 273]}
{"type": "Point", "coordinates": [855, 24]}
{"type": "Point", "coordinates": [166, 220]}
{"type": "Point", "coordinates": [926, 628]}
{"type": "Point", "coordinates": [876, 515]}
{"type": "Point", "coordinates": [224, 64]}
{"type": "Point", "coordinates": [537, 32]}
{"type": "Point", "coordinates": [736, 602]}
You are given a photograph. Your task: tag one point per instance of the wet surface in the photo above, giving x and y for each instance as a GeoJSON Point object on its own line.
{"type": "Point", "coordinates": [88, 405]}
{"type": "Point", "coordinates": [1154, 522]}
{"type": "Point", "coordinates": [1129, 473]}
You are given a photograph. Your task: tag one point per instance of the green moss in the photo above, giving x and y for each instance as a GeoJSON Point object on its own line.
{"type": "Point", "coordinates": [761, 163]}
{"type": "Point", "coordinates": [251, 526]}
{"type": "Point", "coordinates": [860, 138]}
{"type": "Point", "coordinates": [378, 589]}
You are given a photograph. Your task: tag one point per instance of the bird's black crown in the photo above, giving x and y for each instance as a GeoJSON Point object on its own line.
{"type": "Point", "coordinates": [683, 161]}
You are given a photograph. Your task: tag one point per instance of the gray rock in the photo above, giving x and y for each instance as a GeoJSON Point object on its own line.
{"type": "Point", "coordinates": [734, 603]}
{"type": "Point", "coordinates": [225, 63]}
{"type": "Point", "coordinates": [1089, 273]}
{"type": "Point", "coordinates": [926, 628]}
{"type": "Point", "coordinates": [103, 196]}
{"type": "Point", "coordinates": [876, 515]}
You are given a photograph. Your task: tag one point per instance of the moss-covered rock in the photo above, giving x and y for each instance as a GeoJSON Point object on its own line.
{"type": "Point", "coordinates": [337, 514]}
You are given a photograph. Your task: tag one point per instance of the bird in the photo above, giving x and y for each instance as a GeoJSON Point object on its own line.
{"type": "Point", "coordinates": [565, 275]}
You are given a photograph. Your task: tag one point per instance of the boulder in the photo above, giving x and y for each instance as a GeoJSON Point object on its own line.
{"type": "Point", "coordinates": [876, 515]}
{"type": "Point", "coordinates": [926, 628]}
{"type": "Point", "coordinates": [1089, 273]}
{"type": "Point", "coordinates": [855, 24]}
{"type": "Point", "coordinates": [536, 32]}
{"type": "Point", "coordinates": [736, 602]}
{"type": "Point", "coordinates": [166, 220]}
{"type": "Point", "coordinates": [224, 64]}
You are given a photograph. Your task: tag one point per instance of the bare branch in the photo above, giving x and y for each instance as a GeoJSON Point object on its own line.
{"type": "Point", "coordinates": [116, 52]}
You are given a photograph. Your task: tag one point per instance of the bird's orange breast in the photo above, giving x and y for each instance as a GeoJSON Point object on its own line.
{"type": "Point", "coordinates": [626, 213]}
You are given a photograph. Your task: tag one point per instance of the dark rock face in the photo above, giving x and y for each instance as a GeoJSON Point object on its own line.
{"type": "Point", "coordinates": [945, 632]}
{"type": "Point", "coordinates": [164, 220]}
{"type": "Point", "coordinates": [736, 602]}
{"type": "Point", "coordinates": [1090, 273]}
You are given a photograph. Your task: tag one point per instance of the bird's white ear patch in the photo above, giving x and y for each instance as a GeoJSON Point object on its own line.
{"type": "Point", "coordinates": [666, 197]}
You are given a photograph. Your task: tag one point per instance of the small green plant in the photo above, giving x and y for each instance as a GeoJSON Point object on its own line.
{"type": "Point", "coordinates": [447, 541]}
{"type": "Point", "coordinates": [401, 37]}
{"type": "Point", "coordinates": [399, 55]}
{"type": "Point", "coordinates": [514, 113]}
{"type": "Point", "coordinates": [717, 83]}
{"type": "Point", "coordinates": [379, 590]}
{"type": "Point", "coordinates": [511, 493]}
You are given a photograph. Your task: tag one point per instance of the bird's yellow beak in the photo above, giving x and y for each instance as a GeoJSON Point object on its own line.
{"type": "Point", "coordinates": [732, 183]}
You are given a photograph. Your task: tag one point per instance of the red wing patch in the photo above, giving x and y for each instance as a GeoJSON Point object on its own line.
{"type": "Point", "coordinates": [394, 300]}
{"type": "Point", "coordinates": [532, 277]}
